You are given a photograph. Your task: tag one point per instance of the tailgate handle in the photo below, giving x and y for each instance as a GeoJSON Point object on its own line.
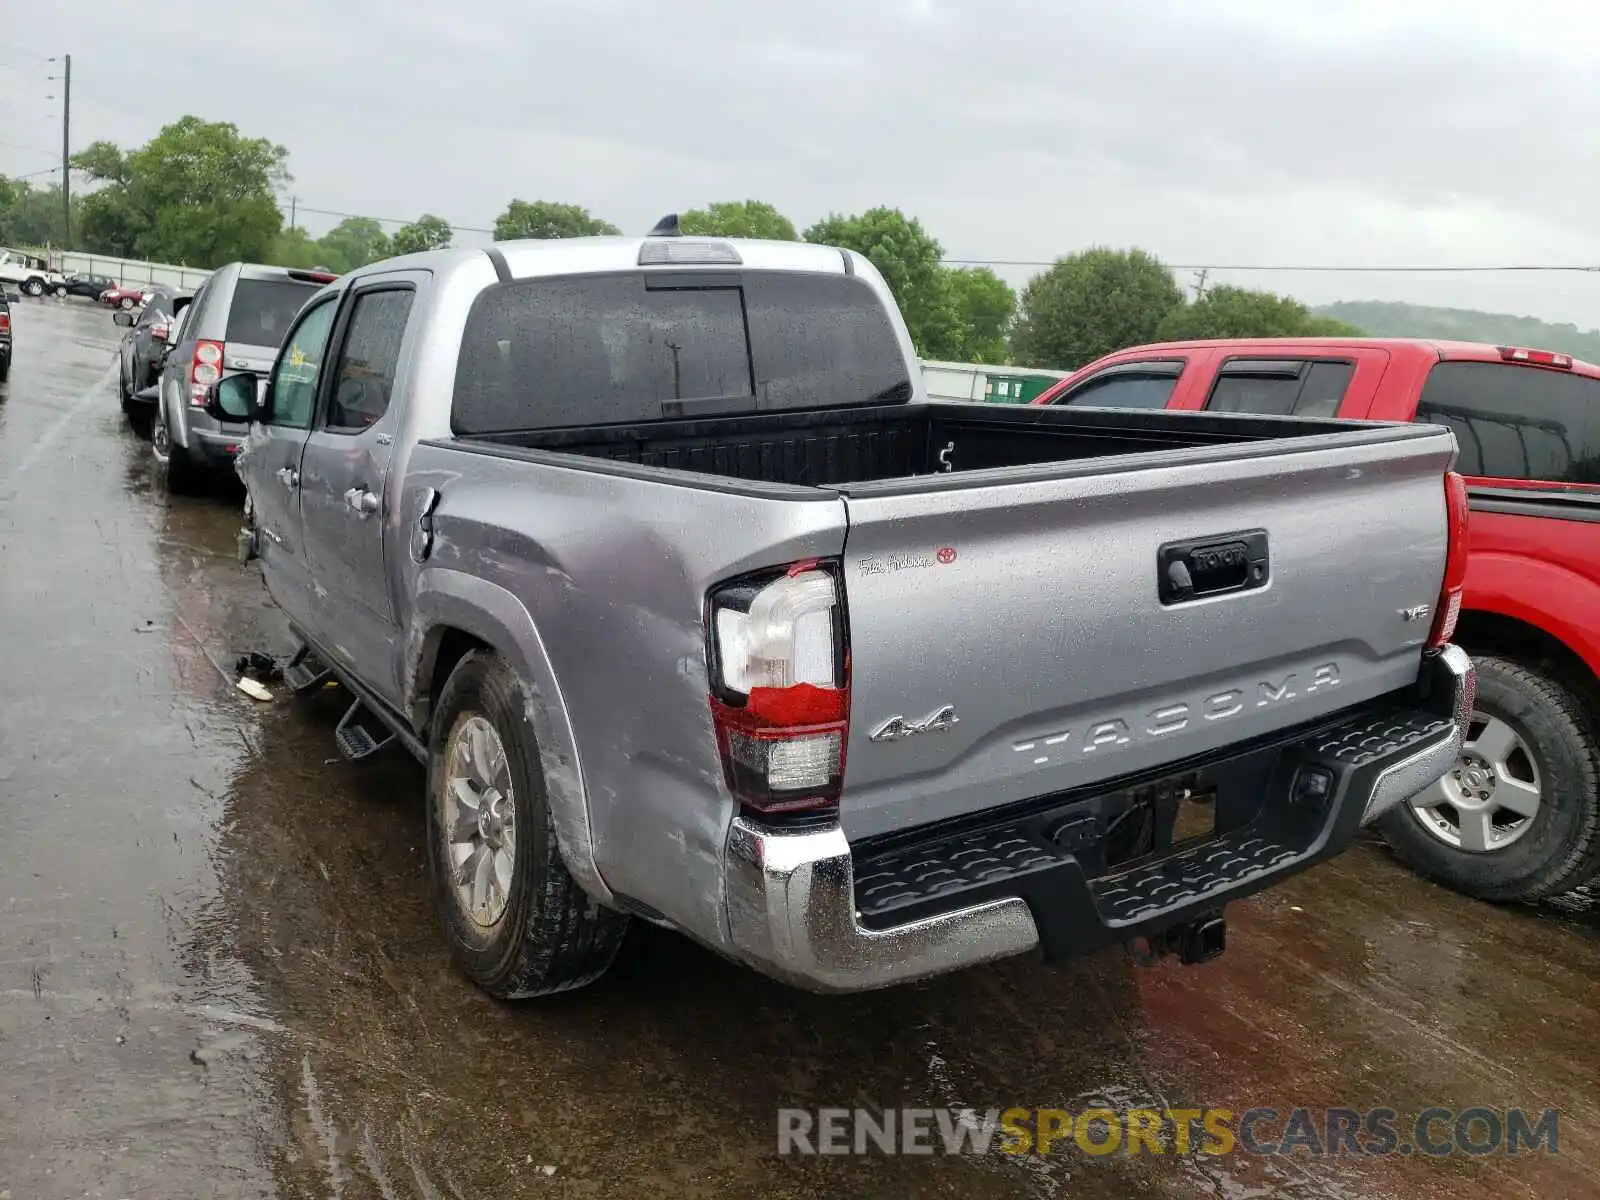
{"type": "Point", "coordinates": [1212, 566]}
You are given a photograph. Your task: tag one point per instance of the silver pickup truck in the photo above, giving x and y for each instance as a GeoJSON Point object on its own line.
{"type": "Point", "coordinates": [697, 611]}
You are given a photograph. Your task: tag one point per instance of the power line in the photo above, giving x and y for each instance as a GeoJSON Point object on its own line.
{"type": "Point", "coordinates": [386, 220]}
{"type": "Point", "coordinates": [1407, 268]}
{"type": "Point", "coordinates": [1204, 268]}
{"type": "Point", "coordinates": [24, 146]}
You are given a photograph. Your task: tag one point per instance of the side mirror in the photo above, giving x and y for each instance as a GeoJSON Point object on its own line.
{"type": "Point", "coordinates": [236, 398]}
{"type": "Point", "coordinates": [122, 318]}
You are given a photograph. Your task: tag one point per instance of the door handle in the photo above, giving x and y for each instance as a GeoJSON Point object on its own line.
{"type": "Point", "coordinates": [361, 502]}
{"type": "Point", "coordinates": [289, 477]}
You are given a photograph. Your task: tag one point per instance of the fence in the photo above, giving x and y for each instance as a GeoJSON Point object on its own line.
{"type": "Point", "coordinates": [129, 270]}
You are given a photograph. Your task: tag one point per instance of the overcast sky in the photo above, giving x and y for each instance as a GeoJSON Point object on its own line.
{"type": "Point", "coordinates": [1329, 132]}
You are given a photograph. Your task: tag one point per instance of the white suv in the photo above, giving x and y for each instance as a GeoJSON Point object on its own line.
{"type": "Point", "coordinates": [31, 274]}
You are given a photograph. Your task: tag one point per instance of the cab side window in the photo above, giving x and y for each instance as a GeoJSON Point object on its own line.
{"type": "Point", "coordinates": [368, 359]}
{"type": "Point", "coordinates": [1132, 385]}
{"type": "Point", "coordinates": [299, 366]}
{"type": "Point", "coordinates": [1280, 387]}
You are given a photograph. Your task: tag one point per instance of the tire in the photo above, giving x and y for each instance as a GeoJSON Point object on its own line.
{"type": "Point", "coordinates": [180, 474]}
{"type": "Point", "coordinates": [33, 287]}
{"type": "Point", "coordinates": [1559, 847]}
{"type": "Point", "coordinates": [550, 936]}
{"type": "Point", "coordinates": [125, 303]}
{"type": "Point", "coordinates": [140, 419]}
{"type": "Point", "coordinates": [61, 291]}
{"type": "Point", "coordinates": [5, 366]}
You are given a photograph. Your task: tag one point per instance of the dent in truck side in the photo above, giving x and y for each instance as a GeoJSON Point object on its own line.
{"type": "Point", "coordinates": [590, 578]}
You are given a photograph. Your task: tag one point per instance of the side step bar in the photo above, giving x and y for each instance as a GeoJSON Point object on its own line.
{"type": "Point", "coordinates": [305, 672]}
{"type": "Point", "coordinates": [361, 734]}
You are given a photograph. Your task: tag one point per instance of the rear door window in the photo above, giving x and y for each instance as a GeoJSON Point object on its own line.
{"type": "Point", "coordinates": [1144, 385]}
{"type": "Point", "coordinates": [1281, 387]}
{"type": "Point", "coordinates": [369, 359]}
{"type": "Point", "coordinates": [639, 346]}
{"type": "Point", "coordinates": [1517, 422]}
{"type": "Point", "coordinates": [263, 309]}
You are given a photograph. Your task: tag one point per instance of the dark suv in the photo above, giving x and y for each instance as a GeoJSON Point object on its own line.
{"type": "Point", "coordinates": [5, 336]}
{"type": "Point", "coordinates": [143, 348]}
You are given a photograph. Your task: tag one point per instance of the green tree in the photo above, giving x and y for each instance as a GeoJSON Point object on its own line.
{"type": "Point", "coordinates": [354, 242]}
{"type": "Point", "coordinates": [1092, 303]}
{"type": "Point", "coordinates": [985, 304]}
{"type": "Point", "coordinates": [908, 259]}
{"type": "Point", "coordinates": [198, 193]}
{"type": "Point", "coordinates": [29, 216]}
{"type": "Point", "coordinates": [546, 219]}
{"type": "Point", "coordinates": [427, 232]}
{"type": "Point", "coordinates": [107, 222]}
{"type": "Point", "coordinates": [739, 218]}
{"type": "Point", "coordinates": [297, 248]}
{"type": "Point", "coordinates": [1234, 312]}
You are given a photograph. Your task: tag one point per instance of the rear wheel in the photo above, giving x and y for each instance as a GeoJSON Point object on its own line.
{"type": "Point", "coordinates": [5, 366]}
{"type": "Point", "coordinates": [61, 291]}
{"type": "Point", "coordinates": [180, 474]}
{"type": "Point", "coordinates": [125, 303]}
{"type": "Point", "coordinates": [517, 922]}
{"type": "Point", "coordinates": [33, 287]}
{"type": "Point", "coordinates": [140, 419]}
{"type": "Point", "coordinates": [1518, 817]}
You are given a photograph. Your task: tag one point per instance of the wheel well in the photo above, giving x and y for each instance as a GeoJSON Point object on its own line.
{"type": "Point", "coordinates": [1492, 633]}
{"type": "Point", "coordinates": [453, 646]}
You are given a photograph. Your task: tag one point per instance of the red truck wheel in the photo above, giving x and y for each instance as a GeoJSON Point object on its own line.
{"type": "Point", "coordinates": [1519, 816]}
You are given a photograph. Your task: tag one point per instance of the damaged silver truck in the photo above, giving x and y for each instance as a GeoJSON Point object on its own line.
{"type": "Point", "coordinates": [698, 612]}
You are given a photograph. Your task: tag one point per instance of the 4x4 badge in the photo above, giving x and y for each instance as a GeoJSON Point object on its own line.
{"type": "Point", "coordinates": [897, 729]}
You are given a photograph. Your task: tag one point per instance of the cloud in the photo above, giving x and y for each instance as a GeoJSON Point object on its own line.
{"type": "Point", "coordinates": [1350, 131]}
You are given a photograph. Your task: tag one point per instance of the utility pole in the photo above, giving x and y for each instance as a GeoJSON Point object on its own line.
{"type": "Point", "coordinates": [1200, 283]}
{"type": "Point", "coordinates": [294, 204]}
{"type": "Point", "coordinates": [66, 147]}
{"type": "Point", "coordinates": [66, 154]}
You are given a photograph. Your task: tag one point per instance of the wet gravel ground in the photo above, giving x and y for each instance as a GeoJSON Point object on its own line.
{"type": "Point", "coordinates": [220, 977]}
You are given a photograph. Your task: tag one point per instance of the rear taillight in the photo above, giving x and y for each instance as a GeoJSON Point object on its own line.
{"type": "Point", "coordinates": [780, 687]}
{"type": "Point", "coordinates": [204, 370]}
{"type": "Point", "coordinates": [1455, 562]}
{"type": "Point", "coordinates": [5, 321]}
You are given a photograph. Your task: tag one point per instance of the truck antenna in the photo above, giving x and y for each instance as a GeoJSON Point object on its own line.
{"type": "Point", "coordinates": [666, 227]}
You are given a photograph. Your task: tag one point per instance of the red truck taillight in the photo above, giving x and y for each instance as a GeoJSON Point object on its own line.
{"type": "Point", "coordinates": [1455, 562]}
{"type": "Point", "coordinates": [204, 370]}
{"type": "Point", "coordinates": [5, 322]}
{"type": "Point", "coordinates": [780, 686]}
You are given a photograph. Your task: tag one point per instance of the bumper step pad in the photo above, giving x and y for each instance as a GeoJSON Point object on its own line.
{"type": "Point", "coordinates": [1039, 854]}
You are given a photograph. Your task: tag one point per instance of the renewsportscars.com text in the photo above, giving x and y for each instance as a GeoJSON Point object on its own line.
{"type": "Point", "coordinates": [1377, 1132]}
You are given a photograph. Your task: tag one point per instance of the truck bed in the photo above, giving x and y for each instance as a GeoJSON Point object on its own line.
{"type": "Point", "coordinates": [835, 448]}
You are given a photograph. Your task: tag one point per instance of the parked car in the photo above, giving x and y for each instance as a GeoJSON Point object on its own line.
{"type": "Point", "coordinates": [1518, 817]}
{"type": "Point", "coordinates": [126, 296]}
{"type": "Point", "coordinates": [30, 274]}
{"type": "Point", "coordinates": [92, 286]}
{"type": "Point", "coordinates": [235, 322]}
{"type": "Point", "coordinates": [5, 336]}
{"type": "Point", "coordinates": [636, 543]}
{"type": "Point", "coordinates": [141, 352]}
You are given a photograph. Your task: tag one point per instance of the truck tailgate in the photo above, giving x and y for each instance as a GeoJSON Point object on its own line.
{"type": "Point", "coordinates": [1009, 638]}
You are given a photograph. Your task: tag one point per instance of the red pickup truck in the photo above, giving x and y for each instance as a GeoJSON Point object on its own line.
{"type": "Point", "coordinates": [1519, 817]}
